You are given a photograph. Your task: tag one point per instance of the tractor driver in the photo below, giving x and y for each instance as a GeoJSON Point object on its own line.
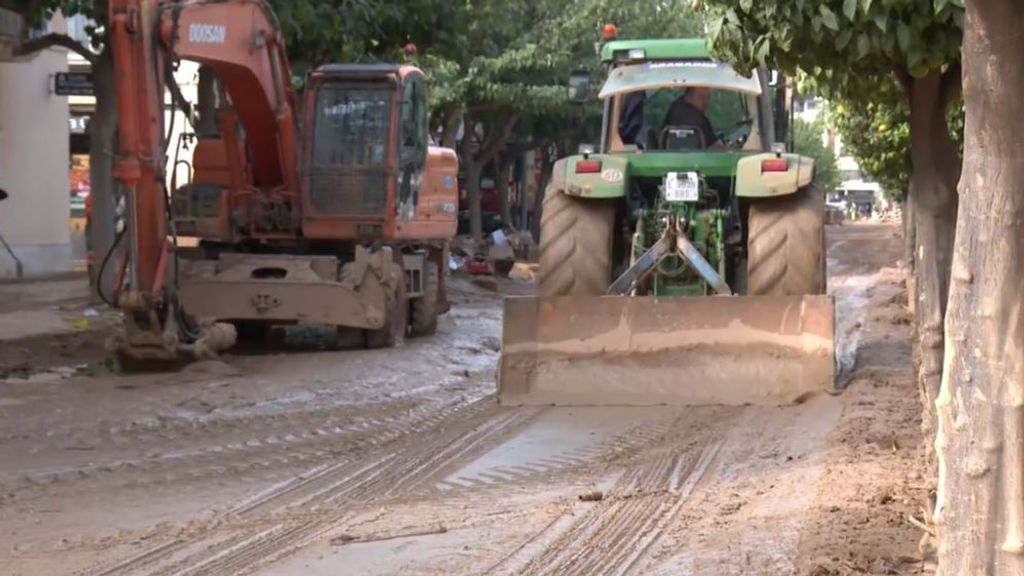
{"type": "Point", "coordinates": [688, 110]}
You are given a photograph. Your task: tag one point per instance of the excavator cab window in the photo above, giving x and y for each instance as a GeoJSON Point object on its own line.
{"type": "Point", "coordinates": [350, 146]}
{"type": "Point", "coordinates": [412, 152]}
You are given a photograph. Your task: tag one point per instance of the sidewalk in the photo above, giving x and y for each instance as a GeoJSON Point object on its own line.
{"type": "Point", "coordinates": [50, 305]}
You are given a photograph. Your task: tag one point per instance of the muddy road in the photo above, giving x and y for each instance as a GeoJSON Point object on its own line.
{"type": "Point", "coordinates": [400, 462]}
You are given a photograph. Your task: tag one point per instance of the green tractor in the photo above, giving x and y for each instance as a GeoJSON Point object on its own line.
{"type": "Point", "coordinates": [683, 260]}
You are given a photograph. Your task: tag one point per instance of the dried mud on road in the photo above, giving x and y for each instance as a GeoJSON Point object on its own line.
{"type": "Point", "coordinates": [400, 462]}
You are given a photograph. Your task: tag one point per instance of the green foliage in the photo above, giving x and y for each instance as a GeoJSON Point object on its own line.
{"type": "Point", "coordinates": [850, 51]}
{"type": "Point", "coordinates": [808, 140]}
{"type": "Point", "coordinates": [843, 45]}
{"type": "Point", "coordinates": [95, 10]}
{"type": "Point", "coordinates": [877, 135]}
{"type": "Point", "coordinates": [320, 31]}
{"type": "Point", "coordinates": [45, 9]}
{"type": "Point", "coordinates": [515, 56]}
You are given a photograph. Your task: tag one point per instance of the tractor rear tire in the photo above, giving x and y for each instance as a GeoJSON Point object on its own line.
{"type": "Point", "coordinates": [426, 308]}
{"type": "Point", "coordinates": [786, 245]}
{"type": "Point", "coordinates": [575, 245]}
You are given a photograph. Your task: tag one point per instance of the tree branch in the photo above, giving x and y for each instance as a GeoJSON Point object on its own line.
{"type": "Point", "coordinates": [491, 147]}
{"type": "Point", "coordinates": [905, 80]}
{"type": "Point", "coordinates": [60, 40]}
{"type": "Point", "coordinates": [21, 7]}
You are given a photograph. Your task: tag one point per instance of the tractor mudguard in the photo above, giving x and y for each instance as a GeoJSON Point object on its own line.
{"type": "Point", "coordinates": [602, 176]}
{"type": "Point", "coordinates": [752, 181]}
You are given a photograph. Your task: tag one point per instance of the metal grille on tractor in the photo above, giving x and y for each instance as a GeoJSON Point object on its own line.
{"type": "Point", "coordinates": [349, 169]}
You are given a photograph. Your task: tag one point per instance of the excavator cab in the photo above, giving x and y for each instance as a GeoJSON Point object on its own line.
{"type": "Point", "coordinates": [370, 171]}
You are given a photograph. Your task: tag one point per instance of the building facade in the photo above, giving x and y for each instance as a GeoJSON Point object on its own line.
{"type": "Point", "coordinates": [33, 156]}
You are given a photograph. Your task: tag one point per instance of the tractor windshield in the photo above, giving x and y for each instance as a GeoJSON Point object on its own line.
{"type": "Point", "coordinates": [681, 106]}
{"type": "Point", "coordinates": [679, 120]}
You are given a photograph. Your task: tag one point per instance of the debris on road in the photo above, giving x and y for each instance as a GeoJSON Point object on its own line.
{"type": "Point", "coordinates": [523, 272]}
{"type": "Point", "coordinates": [349, 538]}
{"type": "Point", "coordinates": [478, 267]}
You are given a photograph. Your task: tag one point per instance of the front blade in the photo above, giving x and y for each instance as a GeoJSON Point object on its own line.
{"type": "Point", "coordinates": [640, 351]}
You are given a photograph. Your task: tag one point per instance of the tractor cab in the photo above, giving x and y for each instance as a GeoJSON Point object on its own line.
{"type": "Point", "coordinates": [682, 106]}
{"type": "Point", "coordinates": [669, 95]}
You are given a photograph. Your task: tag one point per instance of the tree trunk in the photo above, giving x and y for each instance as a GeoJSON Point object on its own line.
{"type": "Point", "coordinates": [473, 169]}
{"type": "Point", "coordinates": [909, 245]}
{"type": "Point", "coordinates": [477, 154]}
{"type": "Point", "coordinates": [980, 441]}
{"type": "Point", "coordinates": [451, 121]}
{"type": "Point", "coordinates": [504, 169]}
{"type": "Point", "coordinates": [909, 232]}
{"type": "Point", "coordinates": [471, 172]}
{"type": "Point", "coordinates": [538, 200]}
{"type": "Point", "coordinates": [102, 143]}
{"type": "Point", "coordinates": [934, 173]}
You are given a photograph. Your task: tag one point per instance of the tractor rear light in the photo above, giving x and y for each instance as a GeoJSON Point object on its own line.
{"type": "Point", "coordinates": [588, 167]}
{"type": "Point", "coordinates": [774, 165]}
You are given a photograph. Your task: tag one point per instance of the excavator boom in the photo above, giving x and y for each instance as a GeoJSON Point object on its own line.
{"type": "Point", "coordinates": [241, 42]}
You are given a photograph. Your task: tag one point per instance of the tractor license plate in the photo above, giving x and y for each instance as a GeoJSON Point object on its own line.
{"type": "Point", "coordinates": [682, 187]}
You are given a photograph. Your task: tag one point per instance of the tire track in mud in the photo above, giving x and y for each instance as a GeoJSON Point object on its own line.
{"type": "Point", "coordinates": [615, 534]}
{"type": "Point", "coordinates": [247, 442]}
{"type": "Point", "coordinates": [578, 461]}
{"type": "Point", "coordinates": [320, 436]}
{"type": "Point", "coordinates": [283, 519]}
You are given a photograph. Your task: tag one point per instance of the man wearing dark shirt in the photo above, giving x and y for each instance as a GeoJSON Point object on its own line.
{"type": "Point", "coordinates": [631, 119]}
{"type": "Point", "coordinates": [688, 110]}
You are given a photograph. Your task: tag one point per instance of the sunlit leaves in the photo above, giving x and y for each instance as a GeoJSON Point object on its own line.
{"type": "Point", "coordinates": [855, 40]}
{"type": "Point", "coordinates": [807, 140]}
{"type": "Point", "coordinates": [515, 55]}
{"type": "Point", "coordinates": [877, 135]}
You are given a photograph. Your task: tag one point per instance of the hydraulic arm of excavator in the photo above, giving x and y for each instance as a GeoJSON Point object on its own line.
{"type": "Point", "coordinates": [241, 41]}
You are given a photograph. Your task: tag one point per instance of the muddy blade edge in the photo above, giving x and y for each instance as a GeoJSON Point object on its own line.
{"type": "Point", "coordinates": [641, 351]}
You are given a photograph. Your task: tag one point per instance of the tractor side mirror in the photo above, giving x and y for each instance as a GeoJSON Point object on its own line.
{"type": "Point", "coordinates": [579, 86]}
{"type": "Point", "coordinates": [782, 106]}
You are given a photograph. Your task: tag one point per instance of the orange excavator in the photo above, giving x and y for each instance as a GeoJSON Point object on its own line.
{"type": "Point", "coordinates": [345, 222]}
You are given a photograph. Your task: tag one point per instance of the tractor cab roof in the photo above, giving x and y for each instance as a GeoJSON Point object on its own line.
{"type": "Point", "coordinates": [679, 74]}
{"type": "Point", "coordinates": [656, 49]}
